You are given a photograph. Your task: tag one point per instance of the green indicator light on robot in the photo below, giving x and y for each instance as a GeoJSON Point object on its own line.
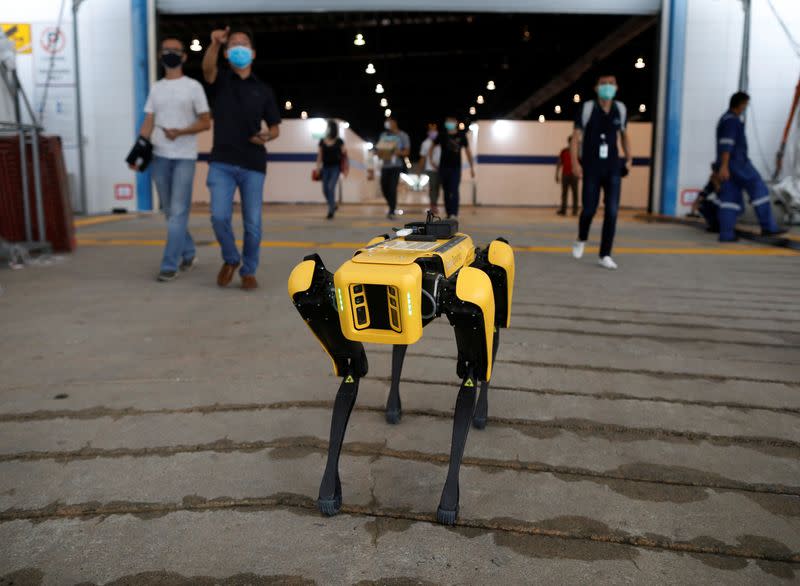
{"type": "Point", "coordinates": [341, 303]}
{"type": "Point", "coordinates": [408, 296]}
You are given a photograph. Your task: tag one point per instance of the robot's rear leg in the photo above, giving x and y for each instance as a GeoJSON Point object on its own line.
{"type": "Point", "coordinates": [330, 491]}
{"type": "Point", "coordinates": [482, 408]}
{"type": "Point", "coordinates": [394, 409]}
{"type": "Point", "coordinates": [465, 407]}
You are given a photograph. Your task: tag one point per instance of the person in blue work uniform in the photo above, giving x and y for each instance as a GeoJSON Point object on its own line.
{"type": "Point", "coordinates": [736, 172]}
{"type": "Point", "coordinates": [596, 159]}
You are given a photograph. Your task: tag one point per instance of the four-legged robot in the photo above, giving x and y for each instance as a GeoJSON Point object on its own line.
{"type": "Point", "coordinates": [386, 294]}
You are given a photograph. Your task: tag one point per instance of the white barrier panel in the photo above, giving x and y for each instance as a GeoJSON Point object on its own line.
{"type": "Point", "coordinates": [517, 163]}
{"type": "Point", "coordinates": [291, 159]}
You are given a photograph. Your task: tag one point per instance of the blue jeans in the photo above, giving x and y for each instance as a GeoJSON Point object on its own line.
{"type": "Point", "coordinates": [450, 178]}
{"type": "Point", "coordinates": [174, 179]}
{"type": "Point", "coordinates": [223, 179]}
{"type": "Point", "coordinates": [609, 181]}
{"type": "Point", "coordinates": [330, 177]}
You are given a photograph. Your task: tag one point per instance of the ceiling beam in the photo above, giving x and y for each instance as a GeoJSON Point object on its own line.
{"type": "Point", "coordinates": [631, 29]}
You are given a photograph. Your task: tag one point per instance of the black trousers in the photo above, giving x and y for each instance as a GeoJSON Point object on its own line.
{"type": "Point", "coordinates": [569, 182]}
{"type": "Point", "coordinates": [610, 183]}
{"type": "Point", "coordinates": [389, 179]}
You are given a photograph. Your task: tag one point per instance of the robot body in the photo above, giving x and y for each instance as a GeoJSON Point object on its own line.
{"type": "Point", "coordinates": [386, 294]}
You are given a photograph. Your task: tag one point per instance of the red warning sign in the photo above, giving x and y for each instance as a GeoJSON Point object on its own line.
{"type": "Point", "coordinates": [123, 191]}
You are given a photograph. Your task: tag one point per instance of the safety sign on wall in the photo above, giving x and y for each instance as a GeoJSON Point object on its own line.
{"type": "Point", "coordinates": [54, 81]}
{"type": "Point", "coordinates": [20, 34]}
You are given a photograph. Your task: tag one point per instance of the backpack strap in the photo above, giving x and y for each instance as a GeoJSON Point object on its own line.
{"type": "Point", "coordinates": [623, 115]}
{"type": "Point", "coordinates": [586, 114]}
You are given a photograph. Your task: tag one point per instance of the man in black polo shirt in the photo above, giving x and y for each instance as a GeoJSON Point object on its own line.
{"type": "Point", "coordinates": [595, 157]}
{"type": "Point", "coordinates": [241, 103]}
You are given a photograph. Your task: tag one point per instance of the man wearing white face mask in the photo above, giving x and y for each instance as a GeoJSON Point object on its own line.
{"type": "Point", "coordinates": [241, 103]}
{"type": "Point", "coordinates": [599, 125]}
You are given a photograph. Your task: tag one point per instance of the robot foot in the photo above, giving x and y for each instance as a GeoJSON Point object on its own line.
{"type": "Point", "coordinates": [393, 416]}
{"type": "Point", "coordinates": [329, 507]}
{"type": "Point", "coordinates": [479, 422]}
{"type": "Point", "coordinates": [445, 517]}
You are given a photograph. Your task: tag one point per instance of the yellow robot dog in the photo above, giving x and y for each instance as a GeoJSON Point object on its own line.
{"type": "Point", "coordinates": [386, 294]}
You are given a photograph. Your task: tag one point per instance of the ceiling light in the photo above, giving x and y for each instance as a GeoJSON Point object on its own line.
{"type": "Point", "coordinates": [384, 103]}
{"type": "Point", "coordinates": [370, 69]}
{"type": "Point", "coordinates": [576, 98]}
{"type": "Point", "coordinates": [642, 108]}
{"type": "Point", "coordinates": [461, 126]}
{"type": "Point", "coordinates": [639, 63]}
{"type": "Point", "coordinates": [472, 111]}
{"type": "Point", "coordinates": [196, 46]}
{"type": "Point", "coordinates": [303, 114]}
{"type": "Point", "coordinates": [480, 99]}
{"type": "Point", "coordinates": [490, 86]}
{"type": "Point", "coordinates": [474, 127]}
{"type": "Point", "coordinates": [387, 112]}
{"type": "Point", "coordinates": [345, 125]}
{"type": "Point", "coordinates": [288, 105]}
{"type": "Point", "coordinates": [541, 117]}
{"type": "Point", "coordinates": [557, 109]}
{"type": "Point", "coordinates": [359, 42]}
{"type": "Point", "coordinates": [379, 89]}
{"type": "Point", "coordinates": [369, 146]}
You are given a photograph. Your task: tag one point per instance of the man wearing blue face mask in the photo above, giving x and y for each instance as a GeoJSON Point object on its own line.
{"type": "Point", "coordinates": [242, 103]}
{"type": "Point", "coordinates": [595, 158]}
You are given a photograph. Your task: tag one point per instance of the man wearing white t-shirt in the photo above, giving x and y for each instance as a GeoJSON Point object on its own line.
{"type": "Point", "coordinates": [175, 111]}
{"type": "Point", "coordinates": [430, 170]}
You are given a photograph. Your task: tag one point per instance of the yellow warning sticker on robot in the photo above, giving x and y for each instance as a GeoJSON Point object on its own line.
{"type": "Point", "coordinates": [349, 379]}
{"type": "Point", "coordinates": [20, 34]}
{"type": "Point", "coordinates": [469, 383]}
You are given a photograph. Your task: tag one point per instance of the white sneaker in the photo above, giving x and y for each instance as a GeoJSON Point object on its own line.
{"type": "Point", "coordinates": [607, 263]}
{"type": "Point", "coordinates": [577, 249]}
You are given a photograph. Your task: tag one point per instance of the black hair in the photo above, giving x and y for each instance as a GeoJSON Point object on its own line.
{"type": "Point", "coordinates": [333, 128]}
{"type": "Point", "coordinates": [606, 74]}
{"type": "Point", "coordinates": [738, 99]}
{"type": "Point", "coordinates": [172, 38]}
{"type": "Point", "coordinates": [569, 138]}
{"type": "Point", "coordinates": [243, 31]}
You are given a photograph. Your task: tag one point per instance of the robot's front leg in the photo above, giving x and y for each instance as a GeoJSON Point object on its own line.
{"type": "Point", "coordinates": [482, 408]}
{"type": "Point", "coordinates": [469, 307]}
{"type": "Point", "coordinates": [311, 290]}
{"type": "Point", "coordinates": [394, 409]}
{"type": "Point", "coordinates": [330, 490]}
{"type": "Point", "coordinates": [447, 512]}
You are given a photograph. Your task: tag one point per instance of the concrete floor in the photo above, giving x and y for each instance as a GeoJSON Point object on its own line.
{"type": "Point", "coordinates": [645, 423]}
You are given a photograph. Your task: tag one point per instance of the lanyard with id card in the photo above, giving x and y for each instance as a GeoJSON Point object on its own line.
{"type": "Point", "coordinates": [603, 147]}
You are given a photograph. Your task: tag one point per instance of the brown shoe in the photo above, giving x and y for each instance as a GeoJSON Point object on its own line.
{"type": "Point", "coordinates": [225, 274]}
{"type": "Point", "coordinates": [249, 282]}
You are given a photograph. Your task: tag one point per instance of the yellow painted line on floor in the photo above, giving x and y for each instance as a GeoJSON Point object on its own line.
{"type": "Point", "coordinates": [81, 222]}
{"type": "Point", "coordinates": [720, 251]}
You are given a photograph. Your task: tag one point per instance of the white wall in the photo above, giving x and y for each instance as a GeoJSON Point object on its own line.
{"type": "Point", "coordinates": [711, 74]}
{"type": "Point", "coordinates": [291, 181]}
{"type": "Point", "coordinates": [523, 184]}
{"type": "Point", "coordinates": [105, 54]}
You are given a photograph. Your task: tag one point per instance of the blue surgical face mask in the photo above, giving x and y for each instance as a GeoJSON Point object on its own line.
{"type": "Point", "coordinates": [606, 91]}
{"type": "Point", "coordinates": [450, 125]}
{"type": "Point", "coordinates": [432, 134]}
{"type": "Point", "coordinates": [240, 57]}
